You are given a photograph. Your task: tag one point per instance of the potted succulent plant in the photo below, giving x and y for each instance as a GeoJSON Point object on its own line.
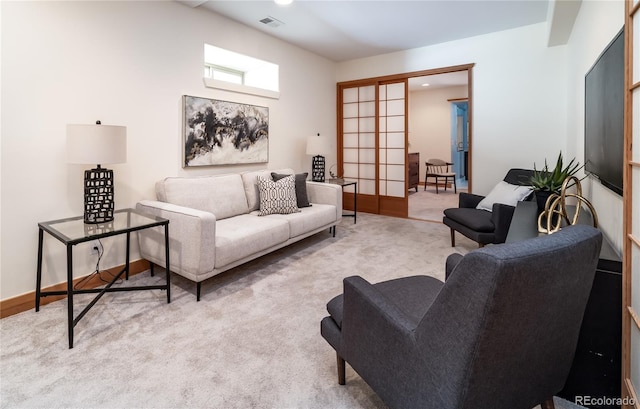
{"type": "Point", "coordinates": [547, 181]}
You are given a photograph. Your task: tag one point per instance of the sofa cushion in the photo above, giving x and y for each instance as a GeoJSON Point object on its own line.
{"type": "Point", "coordinates": [250, 182]}
{"type": "Point", "coordinates": [301, 187]}
{"type": "Point", "coordinates": [277, 197]}
{"type": "Point", "coordinates": [309, 218]}
{"type": "Point", "coordinates": [222, 195]}
{"type": "Point", "coordinates": [475, 219]}
{"type": "Point", "coordinates": [247, 234]}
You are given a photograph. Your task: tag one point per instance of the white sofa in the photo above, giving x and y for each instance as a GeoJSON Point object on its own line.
{"type": "Point", "coordinates": [214, 222]}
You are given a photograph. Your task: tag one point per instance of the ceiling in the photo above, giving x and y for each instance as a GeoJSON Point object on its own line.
{"type": "Point", "coordinates": [350, 29]}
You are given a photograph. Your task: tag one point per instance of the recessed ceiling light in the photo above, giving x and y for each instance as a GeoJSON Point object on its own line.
{"type": "Point", "coordinates": [283, 2]}
{"type": "Point", "coordinates": [425, 85]}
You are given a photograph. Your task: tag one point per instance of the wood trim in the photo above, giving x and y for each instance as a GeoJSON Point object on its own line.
{"type": "Point", "coordinates": [634, 9]}
{"type": "Point", "coordinates": [392, 206]}
{"type": "Point", "coordinates": [636, 85]}
{"type": "Point", "coordinates": [458, 99]}
{"type": "Point", "coordinates": [367, 203]}
{"type": "Point", "coordinates": [627, 386]}
{"type": "Point", "coordinates": [634, 316]}
{"type": "Point", "coordinates": [27, 301]}
{"type": "Point", "coordinates": [407, 75]}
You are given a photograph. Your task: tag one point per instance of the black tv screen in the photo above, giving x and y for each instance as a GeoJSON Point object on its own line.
{"type": "Point", "coordinates": [604, 116]}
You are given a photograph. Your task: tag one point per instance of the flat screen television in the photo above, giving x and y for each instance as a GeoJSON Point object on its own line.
{"type": "Point", "coordinates": [604, 116]}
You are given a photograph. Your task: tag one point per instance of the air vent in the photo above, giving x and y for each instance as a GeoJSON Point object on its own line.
{"type": "Point", "coordinates": [271, 22]}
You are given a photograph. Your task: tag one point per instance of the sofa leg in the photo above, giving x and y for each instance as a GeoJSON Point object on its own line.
{"type": "Point", "coordinates": [198, 285]}
{"type": "Point", "coordinates": [453, 238]}
{"type": "Point", "coordinates": [341, 370]}
{"type": "Point", "coordinates": [151, 265]}
{"type": "Point", "coordinates": [548, 404]}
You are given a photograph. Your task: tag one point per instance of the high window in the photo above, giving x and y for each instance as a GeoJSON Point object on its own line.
{"type": "Point", "coordinates": [232, 71]}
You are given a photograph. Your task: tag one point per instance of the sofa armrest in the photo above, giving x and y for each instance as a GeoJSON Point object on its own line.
{"type": "Point", "coordinates": [191, 238]}
{"type": "Point", "coordinates": [501, 215]}
{"type": "Point", "coordinates": [468, 200]}
{"type": "Point", "coordinates": [326, 193]}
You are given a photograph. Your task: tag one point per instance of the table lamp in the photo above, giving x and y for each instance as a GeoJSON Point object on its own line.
{"type": "Point", "coordinates": [97, 144]}
{"type": "Point", "coordinates": [316, 146]}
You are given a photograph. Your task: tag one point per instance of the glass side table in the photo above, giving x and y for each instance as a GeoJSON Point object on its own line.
{"type": "Point", "coordinates": [344, 183]}
{"type": "Point", "coordinates": [73, 231]}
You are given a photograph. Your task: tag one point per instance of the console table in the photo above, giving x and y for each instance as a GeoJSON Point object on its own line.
{"type": "Point", "coordinates": [74, 231]}
{"type": "Point", "coordinates": [596, 369]}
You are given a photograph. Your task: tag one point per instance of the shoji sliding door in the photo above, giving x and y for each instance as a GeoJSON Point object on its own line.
{"type": "Point", "coordinates": [392, 148]}
{"type": "Point", "coordinates": [372, 145]}
{"type": "Point", "coordinates": [631, 263]}
{"type": "Point", "coordinates": [358, 152]}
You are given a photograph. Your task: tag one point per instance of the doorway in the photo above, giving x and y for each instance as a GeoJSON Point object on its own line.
{"type": "Point", "coordinates": [460, 141]}
{"type": "Point", "coordinates": [368, 152]}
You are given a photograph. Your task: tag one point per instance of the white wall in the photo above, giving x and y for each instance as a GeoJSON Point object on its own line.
{"type": "Point", "coordinates": [430, 123]}
{"type": "Point", "coordinates": [597, 24]}
{"type": "Point", "coordinates": [519, 95]}
{"type": "Point", "coordinates": [125, 63]}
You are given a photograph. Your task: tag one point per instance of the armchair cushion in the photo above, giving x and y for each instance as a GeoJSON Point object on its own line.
{"type": "Point", "coordinates": [474, 219]}
{"type": "Point", "coordinates": [504, 193]}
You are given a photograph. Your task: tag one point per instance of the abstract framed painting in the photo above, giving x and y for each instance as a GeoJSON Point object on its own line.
{"type": "Point", "coordinates": [216, 132]}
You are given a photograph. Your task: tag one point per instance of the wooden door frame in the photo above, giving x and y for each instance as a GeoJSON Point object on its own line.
{"type": "Point", "coordinates": [366, 204]}
{"type": "Point", "coordinates": [630, 317]}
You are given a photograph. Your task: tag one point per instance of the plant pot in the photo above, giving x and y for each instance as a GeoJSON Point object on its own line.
{"type": "Point", "coordinates": [541, 198]}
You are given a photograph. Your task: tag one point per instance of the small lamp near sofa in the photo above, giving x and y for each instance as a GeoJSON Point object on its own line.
{"type": "Point", "coordinates": [97, 144]}
{"type": "Point", "coordinates": [316, 146]}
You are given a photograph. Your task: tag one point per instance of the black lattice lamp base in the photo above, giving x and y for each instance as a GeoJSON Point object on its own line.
{"type": "Point", "coordinates": [98, 195]}
{"type": "Point", "coordinates": [317, 169]}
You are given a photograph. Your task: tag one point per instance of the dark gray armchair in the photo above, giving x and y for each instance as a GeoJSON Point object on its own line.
{"type": "Point", "coordinates": [482, 226]}
{"type": "Point", "coordinates": [500, 333]}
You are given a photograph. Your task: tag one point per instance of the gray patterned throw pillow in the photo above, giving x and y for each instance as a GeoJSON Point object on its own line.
{"type": "Point", "coordinates": [277, 197]}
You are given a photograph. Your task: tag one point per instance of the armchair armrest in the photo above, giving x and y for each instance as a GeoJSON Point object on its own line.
{"type": "Point", "coordinates": [373, 327]}
{"type": "Point", "coordinates": [501, 215]}
{"type": "Point", "coordinates": [468, 200]}
{"type": "Point", "coordinates": [326, 193]}
{"type": "Point", "coordinates": [451, 263]}
{"type": "Point", "coordinates": [191, 238]}
{"type": "Point", "coordinates": [370, 321]}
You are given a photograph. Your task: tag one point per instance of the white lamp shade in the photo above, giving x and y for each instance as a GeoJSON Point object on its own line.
{"type": "Point", "coordinates": [315, 145]}
{"type": "Point", "coordinates": [96, 144]}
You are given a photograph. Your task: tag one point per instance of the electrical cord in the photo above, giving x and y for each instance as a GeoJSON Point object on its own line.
{"type": "Point", "coordinates": [97, 271]}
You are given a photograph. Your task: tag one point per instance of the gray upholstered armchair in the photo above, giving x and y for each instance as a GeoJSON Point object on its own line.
{"type": "Point", "coordinates": [484, 226]}
{"type": "Point", "coordinates": [500, 333]}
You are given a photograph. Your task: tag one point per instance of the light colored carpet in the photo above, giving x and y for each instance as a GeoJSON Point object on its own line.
{"type": "Point", "coordinates": [253, 341]}
{"type": "Point", "coordinates": [427, 205]}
